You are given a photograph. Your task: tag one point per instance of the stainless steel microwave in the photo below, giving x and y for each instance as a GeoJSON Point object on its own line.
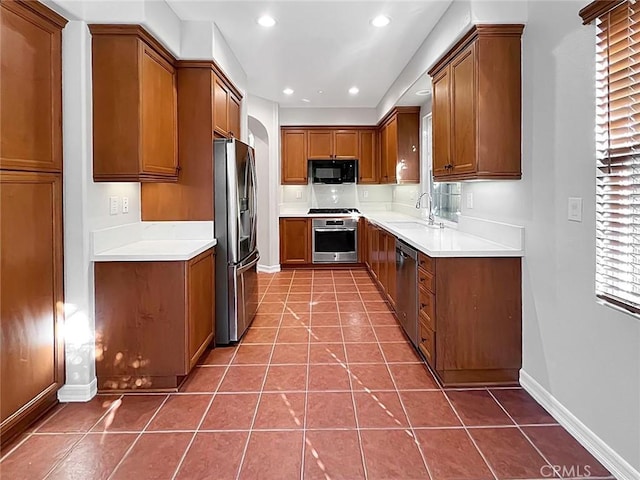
{"type": "Point", "coordinates": [333, 171]}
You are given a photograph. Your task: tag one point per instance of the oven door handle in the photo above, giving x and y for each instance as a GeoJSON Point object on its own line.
{"type": "Point", "coordinates": [331, 230]}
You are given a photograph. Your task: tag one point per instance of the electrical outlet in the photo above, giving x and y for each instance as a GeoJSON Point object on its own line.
{"type": "Point", "coordinates": [575, 209]}
{"type": "Point", "coordinates": [113, 205]}
{"type": "Point", "coordinates": [469, 200]}
{"type": "Point", "coordinates": [365, 194]}
{"type": "Point", "coordinates": [125, 204]}
{"type": "Point", "coordinates": [298, 194]}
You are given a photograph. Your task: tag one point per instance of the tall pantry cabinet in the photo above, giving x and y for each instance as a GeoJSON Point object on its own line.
{"type": "Point", "coordinates": [31, 280]}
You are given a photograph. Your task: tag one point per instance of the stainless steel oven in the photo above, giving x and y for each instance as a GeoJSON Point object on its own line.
{"type": "Point", "coordinates": [335, 240]}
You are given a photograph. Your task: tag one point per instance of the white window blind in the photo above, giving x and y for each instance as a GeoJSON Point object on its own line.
{"type": "Point", "coordinates": [618, 156]}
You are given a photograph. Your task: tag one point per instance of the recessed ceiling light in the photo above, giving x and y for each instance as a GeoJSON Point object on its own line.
{"type": "Point", "coordinates": [380, 21]}
{"type": "Point", "coordinates": [266, 21]}
{"type": "Point", "coordinates": [288, 91]}
{"type": "Point", "coordinates": [320, 92]}
{"type": "Point", "coordinates": [306, 100]}
{"type": "Point", "coordinates": [354, 90]}
{"type": "Point", "coordinates": [423, 92]}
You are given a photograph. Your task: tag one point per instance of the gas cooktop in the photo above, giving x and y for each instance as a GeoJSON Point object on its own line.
{"type": "Point", "coordinates": [334, 211]}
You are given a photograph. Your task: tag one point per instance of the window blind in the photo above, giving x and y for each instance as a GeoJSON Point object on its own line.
{"type": "Point", "coordinates": [618, 156]}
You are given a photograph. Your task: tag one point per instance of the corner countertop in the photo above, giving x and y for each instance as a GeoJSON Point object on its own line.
{"type": "Point", "coordinates": [155, 250]}
{"type": "Point", "coordinates": [152, 241]}
{"type": "Point", "coordinates": [438, 242]}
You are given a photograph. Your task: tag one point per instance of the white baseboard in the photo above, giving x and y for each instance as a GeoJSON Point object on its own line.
{"type": "Point", "coordinates": [78, 393]}
{"type": "Point", "coordinates": [611, 460]}
{"type": "Point", "coordinates": [268, 268]}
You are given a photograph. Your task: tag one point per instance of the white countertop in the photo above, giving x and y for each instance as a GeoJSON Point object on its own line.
{"type": "Point", "coordinates": [152, 241]}
{"type": "Point", "coordinates": [441, 242]}
{"type": "Point", "coordinates": [155, 250]}
{"type": "Point", "coordinates": [435, 242]}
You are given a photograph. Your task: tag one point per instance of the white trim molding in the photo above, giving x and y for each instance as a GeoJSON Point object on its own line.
{"type": "Point", "coordinates": [611, 460]}
{"type": "Point", "coordinates": [78, 393]}
{"type": "Point", "coordinates": [268, 268]}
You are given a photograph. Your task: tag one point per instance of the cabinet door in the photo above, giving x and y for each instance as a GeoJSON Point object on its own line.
{"type": "Point", "coordinates": [320, 144]}
{"type": "Point", "coordinates": [363, 242]}
{"type": "Point", "coordinates": [234, 117]}
{"type": "Point", "coordinates": [295, 245]}
{"type": "Point", "coordinates": [441, 123]}
{"type": "Point", "coordinates": [294, 157]}
{"type": "Point", "coordinates": [367, 165]}
{"type": "Point", "coordinates": [31, 357]}
{"type": "Point", "coordinates": [159, 114]}
{"type": "Point", "coordinates": [220, 107]}
{"type": "Point", "coordinates": [384, 140]}
{"type": "Point", "coordinates": [374, 237]}
{"type": "Point", "coordinates": [30, 91]}
{"type": "Point", "coordinates": [463, 106]}
{"type": "Point", "coordinates": [392, 150]}
{"type": "Point", "coordinates": [382, 258]}
{"type": "Point", "coordinates": [345, 144]}
{"type": "Point", "coordinates": [391, 269]}
{"type": "Point", "coordinates": [200, 300]}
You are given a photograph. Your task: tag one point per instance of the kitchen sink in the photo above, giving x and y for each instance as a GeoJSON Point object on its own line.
{"type": "Point", "coordinates": [412, 225]}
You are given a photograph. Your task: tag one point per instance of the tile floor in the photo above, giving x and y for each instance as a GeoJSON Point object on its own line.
{"type": "Point", "coordinates": [323, 386]}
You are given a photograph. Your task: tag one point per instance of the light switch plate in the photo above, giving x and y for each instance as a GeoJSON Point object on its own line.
{"type": "Point", "coordinates": [113, 205]}
{"type": "Point", "coordinates": [298, 194]}
{"type": "Point", "coordinates": [365, 194]}
{"type": "Point", "coordinates": [469, 200]}
{"type": "Point", "coordinates": [575, 209]}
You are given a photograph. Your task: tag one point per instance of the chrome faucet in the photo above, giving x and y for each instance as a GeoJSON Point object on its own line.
{"type": "Point", "coordinates": [431, 219]}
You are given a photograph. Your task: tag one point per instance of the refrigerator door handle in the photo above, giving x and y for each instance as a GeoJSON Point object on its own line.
{"type": "Point", "coordinates": [254, 211]}
{"type": "Point", "coordinates": [244, 267]}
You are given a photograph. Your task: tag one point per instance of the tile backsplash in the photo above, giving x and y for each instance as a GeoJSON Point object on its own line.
{"type": "Point", "coordinates": [335, 196]}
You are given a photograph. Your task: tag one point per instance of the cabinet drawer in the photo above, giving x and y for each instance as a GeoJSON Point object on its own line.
{"type": "Point", "coordinates": [427, 344]}
{"type": "Point", "coordinates": [426, 280]}
{"type": "Point", "coordinates": [427, 307]}
{"type": "Point", "coordinates": [427, 263]}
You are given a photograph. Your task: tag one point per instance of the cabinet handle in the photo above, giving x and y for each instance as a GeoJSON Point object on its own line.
{"type": "Point", "coordinates": [423, 305]}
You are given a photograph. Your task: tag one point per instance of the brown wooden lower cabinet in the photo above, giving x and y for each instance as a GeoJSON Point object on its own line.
{"type": "Point", "coordinates": [153, 321]}
{"type": "Point", "coordinates": [31, 297]}
{"type": "Point", "coordinates": [295, 241]}
{"type": "Point", "coordinates": [381, 260]}
{"type": "Point", "coordinates": [470, 319]}
{"type": "Point", "coordinates": [469, 312]}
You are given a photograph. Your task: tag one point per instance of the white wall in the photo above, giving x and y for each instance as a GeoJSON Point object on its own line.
{"type": "Point", "coordinates": [586, 355]}
{"type": "Point", "coordinates": [264, 115]}
{"type": "Point", "coordinates": [451, 26]}
{"type": "Point", "coordinates": [328, 116]}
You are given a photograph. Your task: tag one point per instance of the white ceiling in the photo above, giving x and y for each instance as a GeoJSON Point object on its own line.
{"type": "Point", "coordinates": [320, 45]}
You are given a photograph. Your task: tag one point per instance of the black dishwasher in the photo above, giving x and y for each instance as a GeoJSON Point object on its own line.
{"type": "Point", "coordinates": [407, 289]}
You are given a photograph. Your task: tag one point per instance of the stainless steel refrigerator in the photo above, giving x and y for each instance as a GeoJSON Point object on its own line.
{"type": "Point", "coordinates": [235, 229]}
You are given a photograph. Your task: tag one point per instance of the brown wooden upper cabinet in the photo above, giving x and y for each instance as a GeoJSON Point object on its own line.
{"type": "Point", "coordinates": [329, 143]}
{"type": "Point", "coordinates": [294, 156]}
{"type": "Point", "coordinates": [400, 146]}
{"type": "Point", "coordinates": [368, 156]}
{"type": "Point", "coordinates": [300, 144]}
{"type": "Point", "coordinates": [31, 88]}
{"type": "Point", "coordinates": [134, 106]}
{"type": "Point", "coordinates": [226, 108]}
{"type": "Point", "coordinates": [477, 106]}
